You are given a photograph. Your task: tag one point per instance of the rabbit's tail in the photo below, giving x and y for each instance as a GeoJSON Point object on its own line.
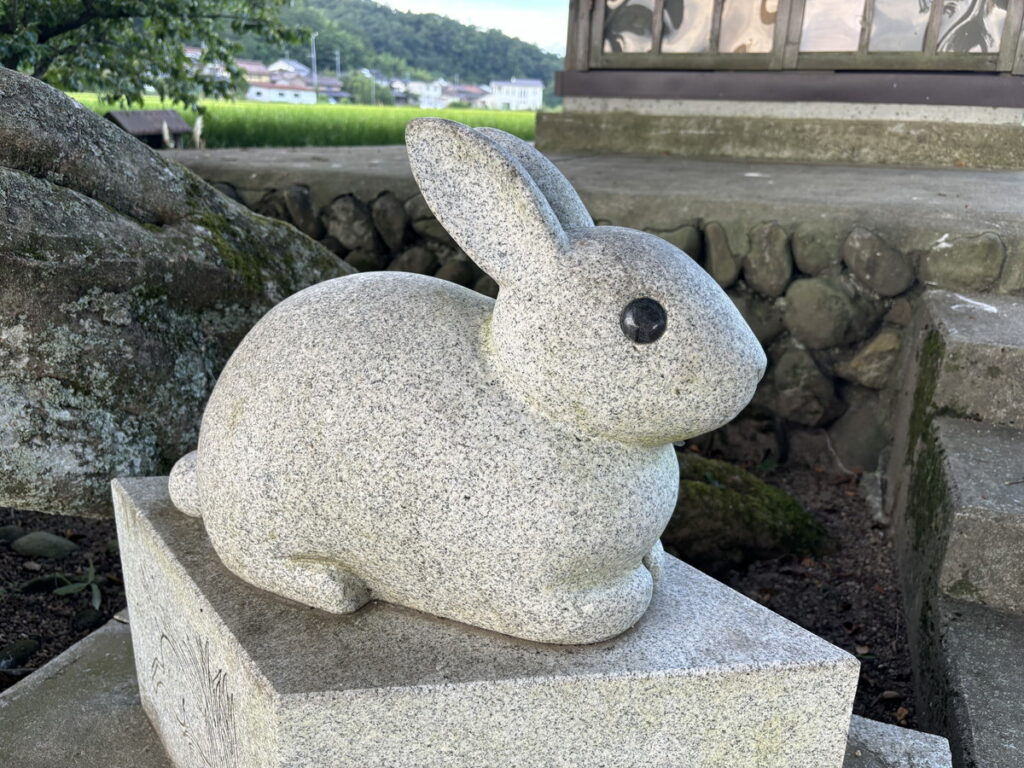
{"type": "Point", "coordinates": [182, 486]}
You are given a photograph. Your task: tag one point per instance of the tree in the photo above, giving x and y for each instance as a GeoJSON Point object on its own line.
{"type": "Point", "coordinates": [364, 91]}
{"type": "Point", "coordinates": [331, 39]}
{"type": "Point", "coordinates": [119, 47]}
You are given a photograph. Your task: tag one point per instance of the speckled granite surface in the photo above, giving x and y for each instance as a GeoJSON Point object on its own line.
{"type": "Point", "coordinates": [706, 679]}
{"type": "Point", "coordinates": [505, 464]}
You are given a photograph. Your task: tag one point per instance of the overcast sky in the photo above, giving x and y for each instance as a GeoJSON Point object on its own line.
{"type": "Point", "coordinates": [543, 22]}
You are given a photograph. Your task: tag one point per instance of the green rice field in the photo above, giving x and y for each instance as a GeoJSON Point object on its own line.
{"type": "Point", "coordinates": [256, 124]}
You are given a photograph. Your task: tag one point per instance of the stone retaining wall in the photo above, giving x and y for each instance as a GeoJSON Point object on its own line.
{"type": "Point", "coordinates": [384, 232]}
{"type": "Point", "coordinates": [828, 296]}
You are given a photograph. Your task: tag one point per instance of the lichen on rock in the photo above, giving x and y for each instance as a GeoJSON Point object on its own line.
{"type": "Point", "coordinates": [127, 283]}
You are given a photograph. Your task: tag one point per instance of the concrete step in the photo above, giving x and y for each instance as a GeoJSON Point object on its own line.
{"type": "Point", "coordinates": [982, 470]}
{"type": "Point", "coordinates": [977, 674]}
{"type": "Point", "coordinates": [960, 547]}
{"type": "Point", "coordinates": [83, 710]}
{"type": "Point", "coordinates": [972, 356]}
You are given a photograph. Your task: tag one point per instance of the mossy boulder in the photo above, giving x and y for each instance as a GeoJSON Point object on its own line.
{"type": "Point", "coordinates": [126, 283]}
{"type": "Point", "coordinates": [727, 517]}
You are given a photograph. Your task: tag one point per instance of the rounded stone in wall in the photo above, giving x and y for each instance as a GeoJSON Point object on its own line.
{"type": "Point", "coordinates": [816, 251]}
{"type": "Point", "coordinates": [416, 208]}
{"type": "Point", "coordinates": [391, 221]}
{"type": "Point", "coordinates": [456, 271]}
{"type": "Point", "coordinates": [687, 239]}
{"type": "Point", "coordinates": [876, 264]}
{"type": "Point", "coordinates": [300, 211]}
{"type": "Point", "coordinates": [272, 205]}
{"type": "Point", "coordinates": [860, 435]}
{"type": "Point", "coordinates": [873, 363]}
{"type": "Point", "coordinates": [762, 315]}
{"type": "Point", "coordinates": [432, 230]}
{"type": "Point", "coordinates": [334, 245]}
{"type": "Point", "coordinates": [417, 259]}
{"type": "Point", "coordinates": [348, 219]}
{"type": "Point", "coordinates": [804, 395]}
{"type": "Point", "coordinates": [768, 267]}
{"type": "Point", "coordinates": [364, 260]}
{"type": "Point", "coordinates": [868, 309]}
{"type": "Point", "coordinates": [965, 264]}
{"type": "Point", "coordinates": [719, 260]}
{"type": "Point", "coordinates": [818, 312]}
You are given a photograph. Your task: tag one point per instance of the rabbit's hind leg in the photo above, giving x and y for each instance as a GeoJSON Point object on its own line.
{"type": "Point", "coordinates": [322, 582]}
{"type": "Point", "coordinates": [574, 614]}
{"type": "Point", "coordinates": [311, 579]}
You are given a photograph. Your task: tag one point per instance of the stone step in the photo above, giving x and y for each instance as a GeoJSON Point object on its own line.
{"type": "Point", "coordinates": [972, 356]}
{"type": "Point", "coordinates": [89, 696]}
{"type": "Point", "coordinates": [982, 475]}
{"type": "Point", "coordinates": [977, 674]}
{"type": "Point", "coordinates": [959, 536]}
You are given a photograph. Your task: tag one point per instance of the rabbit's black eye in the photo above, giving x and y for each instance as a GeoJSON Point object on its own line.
{"type": "Point", "coordinates": [643, 320]}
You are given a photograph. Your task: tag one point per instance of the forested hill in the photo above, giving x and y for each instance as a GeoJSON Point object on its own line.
{"type": "Point", "coordinates": [368, 34]}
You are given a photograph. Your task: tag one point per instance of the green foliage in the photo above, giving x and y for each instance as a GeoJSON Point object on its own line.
{"type": "Point", "coordinates": [415, 45]}
{"type": "Point", "coordinates": [551, 99]}
{"type": "Point", "coordinates": [251, 124]}
{"type": "Point", "coordinates": [88, 581]}
{"type": "Point", "coordinates": [119, 47]}
{"type": "Point", "coordinates": [364, 91]}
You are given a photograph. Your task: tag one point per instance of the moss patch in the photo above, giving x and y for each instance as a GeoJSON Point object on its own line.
{"type": "Point", "coordinates": [726, 517]}
{"type": "Point", "coordinates": [929, 359]}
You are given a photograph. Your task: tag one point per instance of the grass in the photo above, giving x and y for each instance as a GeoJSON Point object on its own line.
{"type": "Point", "coordinates": [255, 124]}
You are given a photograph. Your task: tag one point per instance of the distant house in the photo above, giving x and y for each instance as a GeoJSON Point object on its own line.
{"type": "Point", "coordinates": [465, 94]}
{"type": "Point", "coordinates": [289, 67]}
{"type": "Point", "coordinates": [519, 94]}
{"type": "Point", "coordinates": [254, 71]}
{"type": "Point", "coordinates": [216, 70]}
{"type": "Point", "coordinates": [284, 93]}
{"type": "Point", "coordinates": [430, 95]}
{"type": "Point", "coordinates": [438, 94]}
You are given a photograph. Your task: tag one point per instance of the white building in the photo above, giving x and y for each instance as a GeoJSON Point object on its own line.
{"type": "Point", "coordinates": [289, 67]}
{"type": "Point", "coordinates": [430, 95]}
{"type": "Point", "coordinates": [517, 94]}
{"type": "Point", "coordinates": [282, 93]}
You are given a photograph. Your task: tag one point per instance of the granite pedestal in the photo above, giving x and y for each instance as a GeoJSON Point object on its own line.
{"type": "Point", "coordinates": [233, 676]}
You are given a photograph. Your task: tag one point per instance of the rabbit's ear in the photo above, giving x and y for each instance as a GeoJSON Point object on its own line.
{"type": "Point", "coordinates": [552, 182]}
{"type": "Point", "coordinates": [484, 198]}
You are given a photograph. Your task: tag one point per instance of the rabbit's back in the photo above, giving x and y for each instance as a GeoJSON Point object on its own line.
{"type": "Point", "coordinates": [418, 469]}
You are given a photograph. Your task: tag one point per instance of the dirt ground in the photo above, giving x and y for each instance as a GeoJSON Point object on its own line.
{"type": "Point", "coordinates": [56, 621]}
{"type": "Point", "coordinates": [848, 597]}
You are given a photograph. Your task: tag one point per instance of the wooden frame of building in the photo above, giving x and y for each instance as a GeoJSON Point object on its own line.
{"type": "Point", "coordinates": [803, 73]}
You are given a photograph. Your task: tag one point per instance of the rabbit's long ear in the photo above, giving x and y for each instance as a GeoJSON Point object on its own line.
{"type": "Point", "coordinates": [558, 190]}
{"type": "Point", "coordinates": [484, 198]}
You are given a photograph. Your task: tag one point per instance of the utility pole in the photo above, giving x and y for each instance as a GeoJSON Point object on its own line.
{"type": "Point", "coordinates": [312, 55]}
{"type": "Point", "coordinates": [373, 88]}
{"type": "Point", "coordinates": [337, 63]}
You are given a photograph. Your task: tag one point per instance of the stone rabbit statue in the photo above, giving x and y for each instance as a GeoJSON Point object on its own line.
{"type": "Point", "coordinates": [507, 463]}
